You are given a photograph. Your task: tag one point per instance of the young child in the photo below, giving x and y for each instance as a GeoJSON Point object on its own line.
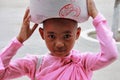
{"type": "Point", "coordinates": [62, 63]}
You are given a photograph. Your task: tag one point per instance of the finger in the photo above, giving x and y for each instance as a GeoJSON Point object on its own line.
{"type": "Point", "coordinates": [26, 13]}
{"type": "Point", "coordinates": [34, 27]}
{"type": "Point", "coordinates": [89, 3]}
{"type": "Point", "coordinates": [27, 20]}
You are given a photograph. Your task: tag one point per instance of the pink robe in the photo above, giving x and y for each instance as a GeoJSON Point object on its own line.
{"type": "Point", "coordinates": [76, 66]}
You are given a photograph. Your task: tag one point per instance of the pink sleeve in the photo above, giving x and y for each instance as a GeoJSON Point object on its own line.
{"type": "Point", "coordinates": [108, 52]}
{"type": "Point", "coordinates": [8, 52]}
{"type": "Point", "coordinates": [20, 67]}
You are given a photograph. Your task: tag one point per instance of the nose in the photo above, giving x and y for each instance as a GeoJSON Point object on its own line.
{"type": "Point", "coordinates": [59, 44]}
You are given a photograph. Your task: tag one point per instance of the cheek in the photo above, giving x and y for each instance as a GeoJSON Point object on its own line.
{"type": "Point", "coordinates": [49, 45]}
{"type": "Point", "coordinates": [70, 43]}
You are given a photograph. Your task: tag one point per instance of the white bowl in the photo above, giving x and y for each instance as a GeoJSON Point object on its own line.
{"type": "Point", "coordinates": [41, 10]}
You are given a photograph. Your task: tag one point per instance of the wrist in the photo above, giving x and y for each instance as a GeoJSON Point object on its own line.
{"type": "Point", "coordinates": [95, 13]}
{"type": "Point", "coordinates": [20, 39]}
{"type": "Point", "coordinates": [98, 19]}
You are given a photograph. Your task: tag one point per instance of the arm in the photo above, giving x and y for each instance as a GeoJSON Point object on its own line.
{"type": "Point", "coordinates": [8, 70]}
{"type": "Point", "coordinates": [108, 46]}
{"type": "Point", "coordinates": [8, 52]}
{"type": "Point", "coordinates": [5, 57]}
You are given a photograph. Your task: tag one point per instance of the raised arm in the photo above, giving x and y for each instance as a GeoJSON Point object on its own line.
{"type": "Point", "coordinates": [21, 67]}
{"type": "Point", "coordinates": [108, 47]}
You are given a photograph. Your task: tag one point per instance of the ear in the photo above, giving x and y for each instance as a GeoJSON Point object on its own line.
{"type": "Point", "coordinates": [41, 31]}
{"type": "Point", "coordinates": [78, 33]}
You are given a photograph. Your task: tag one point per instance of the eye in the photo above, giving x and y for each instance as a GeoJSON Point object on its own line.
{"type": "Point", "coordinates": [51, 36]}
{"type": "Point", "coordinates": [67, 36]}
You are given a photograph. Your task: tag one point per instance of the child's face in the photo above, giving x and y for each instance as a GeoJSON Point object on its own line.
{"type": "Point", "coordinates": [60, 35]}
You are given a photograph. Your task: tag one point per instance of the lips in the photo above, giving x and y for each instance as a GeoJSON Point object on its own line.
{"type": "Point", "coordinates": [61, 51]}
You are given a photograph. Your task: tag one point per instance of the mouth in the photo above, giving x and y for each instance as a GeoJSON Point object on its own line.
{"type": "Point", "coordinates": [60, 53]}
{"type": "Point", "coordinates": [60, 50]}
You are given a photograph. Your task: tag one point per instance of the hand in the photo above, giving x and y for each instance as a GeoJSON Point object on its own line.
{"type": "Point", "coordinates": [92, 10]}
{"type": "Point", "coordinates": [26, 31]}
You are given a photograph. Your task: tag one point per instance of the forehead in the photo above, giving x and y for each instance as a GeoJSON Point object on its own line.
{"type": "Point", "coordinates": [59, 21]}
{"type": "Point", "coordinates": [59, 25]}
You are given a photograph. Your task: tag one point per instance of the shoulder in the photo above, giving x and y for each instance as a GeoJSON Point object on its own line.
{"type": "Point", "coordinates": [85, 55]}
{"type": "Point", "coordinates": [29, 59]}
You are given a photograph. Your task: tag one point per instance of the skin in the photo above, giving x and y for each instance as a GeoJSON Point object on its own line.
{"type": "Point", "coordinates": [26, 31]}
{"type": "Point", "coordinates": [58, 33]}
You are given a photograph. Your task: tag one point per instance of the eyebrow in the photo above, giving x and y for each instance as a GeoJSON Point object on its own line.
{"type": "Point", "coordinates": [62, 32]}
{"type": "Point", "coordinates": [67, 32]}
{"type": "Point", "coordinates": [50, 33]}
